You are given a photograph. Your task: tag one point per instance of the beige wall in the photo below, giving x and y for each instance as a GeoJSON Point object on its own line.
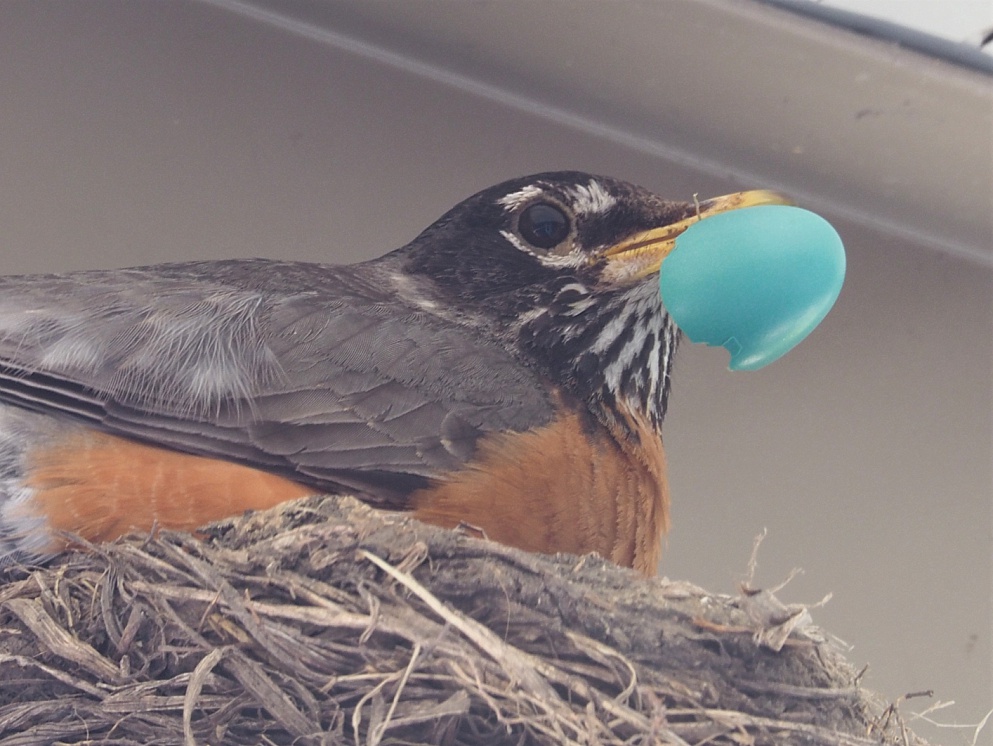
{"type": "Point", "coordinates": [146, 132]}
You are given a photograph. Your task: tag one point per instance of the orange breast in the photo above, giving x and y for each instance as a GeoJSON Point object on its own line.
{"type": "Point", "coordinates": [563, 489]}
{"type": "Point", "coordinates": [100, 486]}
{"type": "Point", "coordinates": [560, 488]}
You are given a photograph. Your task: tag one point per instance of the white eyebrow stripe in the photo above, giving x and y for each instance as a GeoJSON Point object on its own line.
{"type": "Point", "coordinates": [591, 199]}
{"type": "Point", "coordinates": [514, 200]}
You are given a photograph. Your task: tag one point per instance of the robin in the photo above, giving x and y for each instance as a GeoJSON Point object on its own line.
{"type": "Point", "coordinates": [509, 368]}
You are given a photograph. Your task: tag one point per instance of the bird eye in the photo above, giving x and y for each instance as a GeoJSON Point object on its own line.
{"type": "Point", "coordinates": [543, 225]}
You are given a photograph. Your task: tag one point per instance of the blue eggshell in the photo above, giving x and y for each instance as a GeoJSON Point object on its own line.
{"type": "Point", "coordinates": [755, 281]}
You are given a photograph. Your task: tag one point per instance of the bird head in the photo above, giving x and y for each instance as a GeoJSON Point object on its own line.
{"type": "Point", "coordinates": [564, 267]}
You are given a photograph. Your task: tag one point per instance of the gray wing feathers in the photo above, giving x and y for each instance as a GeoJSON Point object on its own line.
{"type": "Point", "coordinates": [184, 350]}
{"type": "Point", "coordinates": [326, 383]}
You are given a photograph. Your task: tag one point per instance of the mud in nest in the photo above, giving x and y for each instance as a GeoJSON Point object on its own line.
{"type": "Point", "coordinates": [325, 621]}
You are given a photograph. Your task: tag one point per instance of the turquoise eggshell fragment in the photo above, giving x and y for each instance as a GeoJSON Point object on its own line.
{"type": "Point", "coordinates": [755, 281]}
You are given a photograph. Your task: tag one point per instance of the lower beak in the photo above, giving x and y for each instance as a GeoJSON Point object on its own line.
{"type": "Point", "coordinates": [642, 254]}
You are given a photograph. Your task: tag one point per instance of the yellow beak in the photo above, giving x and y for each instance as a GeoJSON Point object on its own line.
{"type": "Point", "coordinates": [642, 254]}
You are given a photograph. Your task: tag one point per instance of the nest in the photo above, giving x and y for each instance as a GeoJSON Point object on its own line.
{"type": "Point", "coordinates": [325, 622]}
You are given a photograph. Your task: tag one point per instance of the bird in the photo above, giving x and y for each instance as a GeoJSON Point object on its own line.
{"type": "Point", "coordinates": [508, 369]}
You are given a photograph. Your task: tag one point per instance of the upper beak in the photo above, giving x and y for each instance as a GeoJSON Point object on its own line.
{"type": "Point", "coordinates": [642, 254]}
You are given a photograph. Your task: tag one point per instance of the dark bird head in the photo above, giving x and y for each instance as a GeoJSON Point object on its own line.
{"type": "Point", "coordinates": [564, 268]}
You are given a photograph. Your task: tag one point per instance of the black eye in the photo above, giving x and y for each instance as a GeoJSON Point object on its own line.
{"type": "Point", "coordinates": [543, 225]}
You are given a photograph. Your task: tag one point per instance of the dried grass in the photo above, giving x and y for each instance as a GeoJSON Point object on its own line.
{"type": "Point", "coordinates": [327, 622]}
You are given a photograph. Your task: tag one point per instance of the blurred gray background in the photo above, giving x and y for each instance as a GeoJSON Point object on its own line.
{"type": "Point", "coordinates": [147, 131]}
